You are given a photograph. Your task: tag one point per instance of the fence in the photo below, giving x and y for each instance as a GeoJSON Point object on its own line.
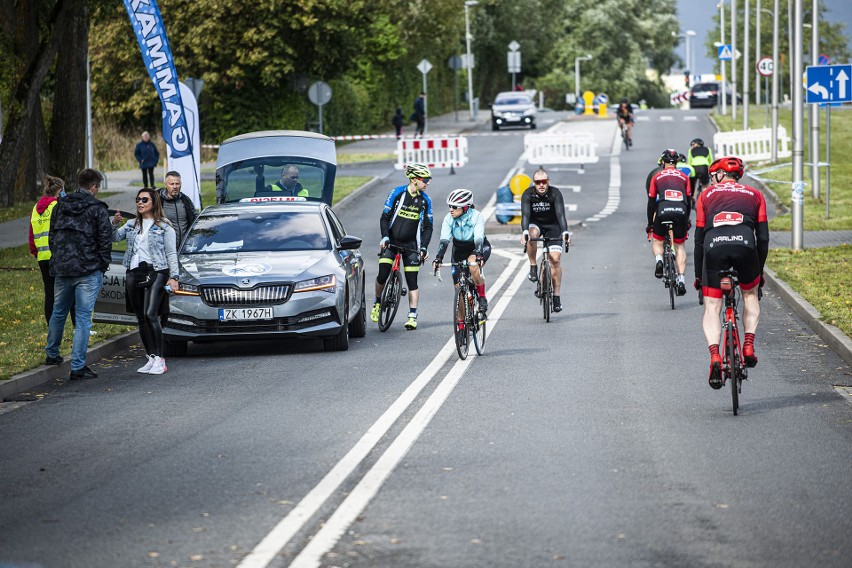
{"type": "Point", "coordinates": [435, 152]}
{"type": "Point", "coordinates": [752, 145]}
{"type": "Point", "coordinates": [574, 148]}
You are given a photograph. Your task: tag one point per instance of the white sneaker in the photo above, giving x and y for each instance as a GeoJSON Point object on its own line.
{"type": "Point", "coordinates": [159, 366]}
{"type": "Point", "coordinates": [147, 367]}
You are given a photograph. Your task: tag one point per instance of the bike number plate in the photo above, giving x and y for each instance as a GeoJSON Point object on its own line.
{"type": "Point", "coordinates": [244, 314]}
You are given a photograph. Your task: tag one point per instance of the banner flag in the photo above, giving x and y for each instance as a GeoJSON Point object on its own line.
{"type": "Point", "coordinates": [157, 55]}
{"type": "Point", "coordinates": [189, 167]}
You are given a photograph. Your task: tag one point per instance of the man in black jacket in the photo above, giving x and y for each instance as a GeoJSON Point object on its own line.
{"type": "Point", "coordinates": [177, 206]}
{"type": "Point", "coordinates": [80, 246]}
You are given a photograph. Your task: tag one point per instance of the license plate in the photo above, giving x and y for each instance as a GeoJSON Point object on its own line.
{"type": "Point", "coordinates": [238, 314]}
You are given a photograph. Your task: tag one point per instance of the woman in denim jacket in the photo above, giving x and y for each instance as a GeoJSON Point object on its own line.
{"type": "Point", "coordinates": [151, 245]}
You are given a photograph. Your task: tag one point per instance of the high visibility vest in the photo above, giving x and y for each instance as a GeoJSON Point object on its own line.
{"type": "Point", "coordinates": [41, 231]}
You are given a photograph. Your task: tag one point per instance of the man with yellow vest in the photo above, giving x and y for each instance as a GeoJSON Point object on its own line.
{"type": "Point", "coordinates": [54, 188]}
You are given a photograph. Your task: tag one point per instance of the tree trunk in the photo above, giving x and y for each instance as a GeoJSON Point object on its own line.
{"type": "Point", "coordinates": [24, 145]}
{"type": "Point", "coordinates": [68, 125]}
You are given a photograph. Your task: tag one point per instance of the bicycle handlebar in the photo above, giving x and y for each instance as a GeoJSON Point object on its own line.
{"type": "Point", "coordinates": [566, 243]}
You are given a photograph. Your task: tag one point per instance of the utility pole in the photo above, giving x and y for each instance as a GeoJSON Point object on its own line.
{"type": "Point", "coordinates": [745, 65]}
{"type": "Point", "coordinates": [814, 118]}
{"type": "Point", "coordinates": [798, 187]}
{"type": "Point", "coordinates": [757, 53]}
{"type": "Point", "coordinates": [722, 62]}
{"type": "Point", "coordinates": [776, 83]}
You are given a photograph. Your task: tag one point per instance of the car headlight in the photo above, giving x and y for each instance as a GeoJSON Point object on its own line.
{"type": "Point", "coordinates": [186, 290]}
{"type": "Point", "coordinates": [325, 283]}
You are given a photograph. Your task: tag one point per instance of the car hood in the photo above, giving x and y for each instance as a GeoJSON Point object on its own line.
{"type": "Point", "coordinates": [497, 107]}
{"type": "Point", "coordinates": [248, 269]}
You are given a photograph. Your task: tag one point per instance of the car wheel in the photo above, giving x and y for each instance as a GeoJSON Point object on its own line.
{"type": "Point", "coordinates": [174, 348]}
{"type": "Point", "coordinates": [339, 341]}
{"type": "Point", "coordinates": [358, 326]}
{"type": "Point", "coordinates": [532, 126]}
{"type": "Point", "coordinates": [494, 126]}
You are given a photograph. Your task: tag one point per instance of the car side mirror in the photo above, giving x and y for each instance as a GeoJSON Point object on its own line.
{"type": "Point", "coordinates": [349, 242]}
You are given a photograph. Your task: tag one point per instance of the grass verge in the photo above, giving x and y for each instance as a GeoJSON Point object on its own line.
{"type": "Point", "coordinates": [23, 331]}
{"type": "Point", "coordinates": [823, 276]}
{"type": "Point", "coordinates": [343, 158]}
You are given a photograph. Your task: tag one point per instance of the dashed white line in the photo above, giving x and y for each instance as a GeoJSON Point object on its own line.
{"type": "Point", "coordinates": [690, 118]}
{"type": "Point", "coordinates": [666, 118]}
{"type": "Point", "coordinates": [614, 191]}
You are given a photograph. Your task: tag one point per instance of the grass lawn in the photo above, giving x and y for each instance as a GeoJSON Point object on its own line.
{"type": "Point", "coordinates": [343, 158]}
{"type": "Point", "coordinates": [25, 209]}
{"type": "Point", "coordinates": [823, 276]}
{"type": "Point", "coordinates": [841, 169]}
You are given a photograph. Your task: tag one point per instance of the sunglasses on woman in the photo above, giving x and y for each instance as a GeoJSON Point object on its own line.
{"type": "Point", "coordinates": [143, 199]}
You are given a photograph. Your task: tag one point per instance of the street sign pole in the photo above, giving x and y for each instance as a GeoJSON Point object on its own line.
{"type": "Point", "coordinates": [746, 48]}
{"type": "Point", "coordinates": [722, 62]}
{"type": "Point", "coordinates": [814, 117]}
{"type": "Point", "coordinates": [734, 60]}
{"type": "Point", "coordinates": [775, 86]}
{"type": "Point", "coordinates": [424, 67]}
{"type": "Point", "coordinates": [827, 159]}
{"type": "Point", "coordinates": [798, 186]}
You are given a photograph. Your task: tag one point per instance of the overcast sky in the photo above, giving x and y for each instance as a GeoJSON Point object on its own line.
{"type": "Point", "coordinates": [697, 15]}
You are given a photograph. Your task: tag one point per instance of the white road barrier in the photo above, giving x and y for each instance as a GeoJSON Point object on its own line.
{"type": "Point", "coordinates": [751, 145]}
{"type": "Point", "coordinates": [561, 148]}
{"type": "Point", "coordinates": [436, 152]}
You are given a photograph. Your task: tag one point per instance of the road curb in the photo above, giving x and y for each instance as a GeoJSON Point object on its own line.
{"type": "Point", "coordinates": [836, 339]}
{"type": "Point", "coordinates": [45, 373]}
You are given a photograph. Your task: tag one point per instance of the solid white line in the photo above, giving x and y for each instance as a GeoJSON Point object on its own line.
{"type": "Point", "coordinates": [280, 535]}
{"type": "Point", "coordinates": [372, 481]}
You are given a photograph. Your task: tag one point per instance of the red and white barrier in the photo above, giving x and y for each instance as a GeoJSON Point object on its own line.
{"type": "Point", "coordinates": [679, 98]}
{"type": "Point", "coordinates": [434, 152]}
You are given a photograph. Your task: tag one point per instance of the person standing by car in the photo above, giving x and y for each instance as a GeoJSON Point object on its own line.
{"type": "Point", "coordinates": [178, 208]}
{"type": "Point", "coordinates": [147, 156]}
{"type": "Point", "coordinates": [151, 263]}
{"type": "Point", "coordinates": [81, 248]}
{"type": "Point", "coordinates": [419, 114]}
{"type": "Point", "coordinates": [54, 189]}
{"type": "Point", "coordinates": [406, 222]}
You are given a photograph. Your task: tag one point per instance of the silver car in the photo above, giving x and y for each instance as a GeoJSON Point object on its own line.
{"type": "Point", "coordinates": [513, 108]}
{"type": "Point", "coordinates": [283, 268]}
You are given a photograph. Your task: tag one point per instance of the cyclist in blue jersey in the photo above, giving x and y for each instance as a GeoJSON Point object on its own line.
{"type": "Point", "coordinates": [466, 227]}
{"type": "Point", "coordinates": [406, 222]}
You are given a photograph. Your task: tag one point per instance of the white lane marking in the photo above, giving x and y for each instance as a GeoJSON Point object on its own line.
{"type": "Point", "coordinates": [643, 118]}
{"type": "Point", "coordinates": [571, 207]}
{"type": "Point", "coordinates": [666, 118]}
{"type": "Point", "coordinates": [614, 191]}
{"type": "Point", "coordinates": [574, 188]}
{"type": "Point", "coordinates": [690, 117]}
{"type": "Point", "coordinates": [268, 548]}
{"type": "Point", "coordinates": [369, 486]}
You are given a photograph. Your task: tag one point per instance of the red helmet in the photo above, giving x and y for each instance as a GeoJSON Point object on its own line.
{"type": "Point", "coordinates": [730, 165]}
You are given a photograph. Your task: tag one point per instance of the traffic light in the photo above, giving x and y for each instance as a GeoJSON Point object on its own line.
{"type": "Point", "coordinates": [686, 78]}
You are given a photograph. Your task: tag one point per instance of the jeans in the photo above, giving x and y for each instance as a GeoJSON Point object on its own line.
{"type": "Point", "coordinates": [49, 286]}
{"type": "Point", "coordinates": [84, 291]}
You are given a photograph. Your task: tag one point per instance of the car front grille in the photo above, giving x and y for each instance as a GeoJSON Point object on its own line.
{"type": "Point", "coordinates": [226, 296]}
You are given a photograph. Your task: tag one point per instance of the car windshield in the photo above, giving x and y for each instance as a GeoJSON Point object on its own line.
{"type": "Point", "coordinates": [272, 176]}
{"type": "Point", "coordinates": [702, 87]}
{"type": "Point", "coordinates": [513, 101]}
{"type": "Point", "coordinates": [257, 231]}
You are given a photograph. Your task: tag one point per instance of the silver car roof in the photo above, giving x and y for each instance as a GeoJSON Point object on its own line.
{"type": "Point", "coordinates": [237, 207]}
{"type": "Point", "coordinates": [276, 143]}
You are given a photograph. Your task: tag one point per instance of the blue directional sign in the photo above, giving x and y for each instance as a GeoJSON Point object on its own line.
{"type": "Point", "coordinates": [726, 53]}
{"type": "Point", "coordinates": [829, 84]}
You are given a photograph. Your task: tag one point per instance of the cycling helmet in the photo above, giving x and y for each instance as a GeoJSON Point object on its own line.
{"type": "Point", "coordinates": [697, 141]}
{"type": "Point", "coordinates": [624, 101]}
{"type": "Point", "coordinates": [669, 156]}
{"type": "Point", "coordinates": [731, 165]}
{"type": "Point", "coordinates": [417, 171]}
{"type": "Point", "coordinates": [460, 197]}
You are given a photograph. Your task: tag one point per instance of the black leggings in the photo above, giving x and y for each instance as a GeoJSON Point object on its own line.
{"type": "Point", "coordinates": [146, 305]}
{"type": "Point", "coordinates": [49, 293]}
{"type": "Point", "coordinates": [147, 177]}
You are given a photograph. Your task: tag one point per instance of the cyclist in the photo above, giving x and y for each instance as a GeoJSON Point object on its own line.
{"type": "Point", "coordinates": [543, 214]}
{"type": "Point", "coordinates": [699, 157]}
{"type": "Point", "coordinates": [668, 200]}
{"type": "Point", "coordinates": [652, 173]}
{"type": "Point", "coordinates": [406, 222]}
{"type": "Point", "coordinates": [624, 114]}
{"type": "Point", "coordinates": [731, 231]}
{"type": "Point", "coordinates": [466, 227]}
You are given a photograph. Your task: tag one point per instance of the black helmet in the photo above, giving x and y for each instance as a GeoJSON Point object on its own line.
{"type": "Point", "coordinates": [697, 141]}
{"type": "Point", "coordinates": [624, 101]}
{"type": "Point", "coordinates": [669, 156]}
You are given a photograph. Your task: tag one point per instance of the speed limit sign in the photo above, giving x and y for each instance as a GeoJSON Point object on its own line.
{"type": "Point", "coordinates": [766, 66]}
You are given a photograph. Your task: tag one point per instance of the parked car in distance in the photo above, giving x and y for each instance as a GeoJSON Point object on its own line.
{"type": "Point", "coordinates": [706, 95]}
{"type": "Point", "coordinates": [513, 108]}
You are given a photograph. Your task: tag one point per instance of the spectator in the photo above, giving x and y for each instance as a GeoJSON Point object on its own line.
{"type": "Point", "coordinates": [289, 182]}
{"type": "Point", "coordinates": [80, 247]}
{"type": "Point", "coordinates": [151, 263]}
{"type": "Point", "coordinates": [177, 207]}
{"type": "Point", "coordinates": [397, 122]}
{"type": "Point", "coordinates": [147, 156]}
{"type": "Point", "coordinates": [419, 115]}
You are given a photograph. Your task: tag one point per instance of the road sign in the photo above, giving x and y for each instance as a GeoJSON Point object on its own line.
{"type": "Point", "coordinates": [319, 93]}
{"type": "Point", "coordinates": [467, 62]}
{"type": "Point", "coordinates": [424, 66]}
{"type": "Point", "coordinates": [514, 46]}
{"type": "Point", "coordinates": [823, 59]}
{"type": "Point", "coordinates": [455, 62]}
{"type": "Point", "coordinates": [829, 83]}
{"type": "Point", "coordinates": [765, 66]}
{"type": "Point", "coordinates": [602, 99]}
{"type": "Point", "coordinates": [514, 61]}
{"type": "Point", "coordinates": [725, 52]}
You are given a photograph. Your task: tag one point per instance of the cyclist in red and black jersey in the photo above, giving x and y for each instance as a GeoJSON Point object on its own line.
{"type": "Point", "coordinates": [731, 231]}
{"type": "Point", "coordinates": [668, 200]}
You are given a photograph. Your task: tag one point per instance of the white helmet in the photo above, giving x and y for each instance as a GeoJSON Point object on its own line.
{"type": "Point", "coordinates": [460, 197]}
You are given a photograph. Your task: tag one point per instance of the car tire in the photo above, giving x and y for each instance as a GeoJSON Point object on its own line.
{"type": "Point", "coordinates": [494, 126]}
{"type": "Point", "coordinates": [532, 126]}
{"type": "Point", "coordinates": [175, 348]}
{"type": "Point", "coordinates": [339, 341]}
{"type": "Point", "coordinates": [358, 326]}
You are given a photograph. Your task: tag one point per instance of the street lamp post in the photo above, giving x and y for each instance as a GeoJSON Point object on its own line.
{"type": "Point", "coordinates": [577, 61]}
{"type": "Point", "coordinates": [690, 56]}
{"type": "Point", "coordinates": [746, 69]}
{"type": "Point", "coordinates": [814, 118]}
{"type": "Point", "coordinates": [467, 5]}
{"type": "Point", "coordinates": [798, 186]}
{"type": "Point", "coordinates": [757, 52]}
{"type": "Point", "coordinates": [776, 81]}
{"type": "Point", "coordinates": [734, 59]}
{"type": "Point", "coordinates": [721, 6]}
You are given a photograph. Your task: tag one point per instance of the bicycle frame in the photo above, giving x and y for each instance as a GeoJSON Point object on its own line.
{"type": "Point", "coordinates": [393, 289]}
{"type": "Point", "coordinates": [544, 286]}
{"type": "Point", "coordinates": [733, 365]}
{"type": "Point", "coordinates": [467, 319]}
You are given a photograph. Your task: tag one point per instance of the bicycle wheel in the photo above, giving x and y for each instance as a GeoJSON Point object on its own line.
{"type": "Point", "coordinates": [546, 289]}
{"type": "Point", "coordinates": [460, 327]}
{"type": "Point", "coordinates": [733, 365]}
{"type": "Point", "coordinates": [478, 321]}
{"type": "Point", "coordinates": [389, 301]}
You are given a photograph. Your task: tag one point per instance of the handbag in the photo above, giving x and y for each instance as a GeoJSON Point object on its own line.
{"type": "Point", "coordinates": [143, 275]}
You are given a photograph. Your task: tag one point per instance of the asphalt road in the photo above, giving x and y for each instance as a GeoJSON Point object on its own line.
{"type": "Point", "coordinates": [593, 440]}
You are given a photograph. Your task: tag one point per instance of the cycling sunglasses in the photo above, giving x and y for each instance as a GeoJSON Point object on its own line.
{"type": "Point", "coordinates": [541, 181]}
{"type": "Point", "coordinates": [426, 180]}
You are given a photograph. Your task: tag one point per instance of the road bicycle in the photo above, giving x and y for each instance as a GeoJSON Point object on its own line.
{"type": "Point", "coordinates": [625, 136]}
{"type": "Point", "coordinates": [669, 265]}
{"type": "Point", "coordinates": [733, 365]}
{"type": "Point", "coordinates": [544, 286]}
{"type": "Point", "coordinates": [468, 322]}
{"type": "Point", "coordinates": [393, 290]}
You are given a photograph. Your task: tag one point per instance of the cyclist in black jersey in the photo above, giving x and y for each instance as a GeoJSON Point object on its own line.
{"type": "Point", "coordinates": [543, 215]}
{"type": "Point", "coordinates": [624, 114]}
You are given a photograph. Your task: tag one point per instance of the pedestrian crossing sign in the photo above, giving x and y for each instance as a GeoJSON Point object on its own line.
{"type": "Point", "coordinates": [725, 52]}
